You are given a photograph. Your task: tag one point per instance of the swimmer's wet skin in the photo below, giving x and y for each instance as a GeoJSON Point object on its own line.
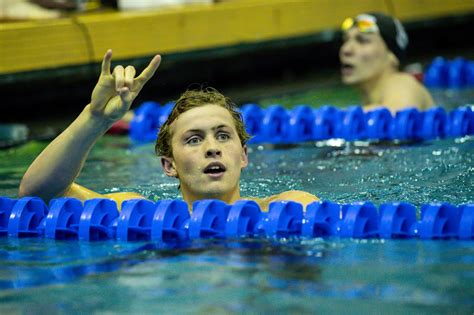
{"type": "Point", "coordinates": [202, 144]}
{"type": "Point", "coordinates": [53, 172]}
{"type": "Point", "coordinates": [373, 47]}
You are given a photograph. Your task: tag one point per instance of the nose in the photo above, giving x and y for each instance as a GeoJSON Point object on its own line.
{"type": "Point", "coordinates": [213, 150]}
{"type": "Point", "coordinates": [213, 153]}
{"type": "Point", "coordinates": [346, 49]}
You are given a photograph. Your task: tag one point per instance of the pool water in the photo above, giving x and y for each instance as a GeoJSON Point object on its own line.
{"type": "Point", "coordinates": [254, 276]}
{"type": "Point", "coordinates": [438, 170]}
{"type": "Point", "coordinates": [286, 276]}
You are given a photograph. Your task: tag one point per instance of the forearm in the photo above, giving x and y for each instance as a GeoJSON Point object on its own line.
{"type": "Point", "coordinates": [56, 168]}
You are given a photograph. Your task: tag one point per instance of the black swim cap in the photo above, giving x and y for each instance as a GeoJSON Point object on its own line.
{"type": "Point", "coordinates": [392, 32]}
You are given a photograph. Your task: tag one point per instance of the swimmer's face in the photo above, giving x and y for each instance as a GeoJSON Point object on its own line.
{"type": "Point", "coordinates": [207, 154]}
{"type": "Point", "coordinates": [363, 56]}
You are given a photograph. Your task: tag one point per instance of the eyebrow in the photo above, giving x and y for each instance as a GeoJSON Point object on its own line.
{"type": "Point", "coordinates": [213, 129]}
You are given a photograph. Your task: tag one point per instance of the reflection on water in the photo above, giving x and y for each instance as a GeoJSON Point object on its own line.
{"type": "Point", "coordinates": [236, 276]}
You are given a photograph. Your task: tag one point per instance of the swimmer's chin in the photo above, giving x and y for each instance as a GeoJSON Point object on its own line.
{"type": "Point", "coordinates": [349, 81]}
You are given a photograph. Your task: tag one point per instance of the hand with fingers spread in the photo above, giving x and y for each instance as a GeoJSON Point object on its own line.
{"type": "Point", "coordinates": [53, 172]}
{"type": "Point", "coordinates": [115, 91]}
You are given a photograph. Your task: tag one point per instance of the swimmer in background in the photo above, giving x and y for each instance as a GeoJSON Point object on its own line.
{"type": "Point", "coordinates": [373, 47]}
{"type": "Point", "coordinates": [202, 144]}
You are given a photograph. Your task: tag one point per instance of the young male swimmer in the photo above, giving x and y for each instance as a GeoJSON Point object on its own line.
{"type": "Point", "coordinates": [202, 144]}
{"type": "Point", "coordinates": [373, 46]}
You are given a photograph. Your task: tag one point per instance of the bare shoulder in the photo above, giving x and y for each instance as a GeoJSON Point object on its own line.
{"type": "Point", "coordinates": [403, 90]}
{"type": "Point", "coordinates": [299, 196]}
{"type": "Point", "coordinates": [405, 82]}
{"type": "Point", "coordinates": [82, 193]}
{"type": "Point", "coordinates": [403, 78]}
{"type": "Point", "coordinates": [122, 196]}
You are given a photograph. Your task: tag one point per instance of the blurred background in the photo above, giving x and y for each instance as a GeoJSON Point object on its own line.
{"type": "Point", "coordinates": [261, 51]}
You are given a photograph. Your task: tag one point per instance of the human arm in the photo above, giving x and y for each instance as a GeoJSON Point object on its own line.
{"type": "Point", "coordinates": [53, 172]}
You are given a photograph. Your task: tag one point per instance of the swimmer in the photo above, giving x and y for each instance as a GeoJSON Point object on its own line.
{"type": "Point", "coordinates": [202, 144]}
{"type": "Point", "coordinates": [373, 47]}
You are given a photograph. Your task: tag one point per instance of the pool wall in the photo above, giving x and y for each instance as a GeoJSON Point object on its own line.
{"type": "Point", "coordinates": [38, 45]}
{"type": "Point", "coordinates": [232, 46]}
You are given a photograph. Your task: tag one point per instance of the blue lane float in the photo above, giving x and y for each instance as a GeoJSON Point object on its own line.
{"type": "Point", "coordinates": [454, 74]}
{"type": "Point", "coordinates": [277, 125]}
{"type": "Point", "coordinates": [170, 221]}
{"type": "Point", "coordinates": [325, 122]}
{"type": "Point", "coordinates": [301, 124]}
{"type": "Point", "coordinates": [351, 124]}
{"type": "Point", "coordinates": [147, 120]}
{"type": "Point", "coordinates": [379, 122]}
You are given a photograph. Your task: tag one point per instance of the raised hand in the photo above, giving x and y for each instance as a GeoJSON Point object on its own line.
{"type": "Point", "coordinates": [114, 93]}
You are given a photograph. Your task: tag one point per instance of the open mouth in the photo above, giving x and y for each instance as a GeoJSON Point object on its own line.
{"type": "Point", "coordinates": [347, 68]}
{"type": "Point", "coordinates": [214, 168]}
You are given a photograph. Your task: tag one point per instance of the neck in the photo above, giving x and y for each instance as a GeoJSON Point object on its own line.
{"type": "Point", "coordinates": [372, 89]}
{"type": "Point", "coordinates": [229, 198]}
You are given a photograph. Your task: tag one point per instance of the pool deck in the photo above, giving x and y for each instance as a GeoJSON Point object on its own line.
{"type": "Point", "coordinates": [83, 38]}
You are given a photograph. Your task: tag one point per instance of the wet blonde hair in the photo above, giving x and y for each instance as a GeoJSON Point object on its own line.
{"type": "Point", "coordinates": [192, 99]}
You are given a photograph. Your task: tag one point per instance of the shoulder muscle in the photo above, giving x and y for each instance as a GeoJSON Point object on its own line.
{"type": "Point", "coordinates": [402, 91]}
{"type": "Point", "coordinates": [299, 196]}
{"type": "Point", "coordinates": [82, 193]}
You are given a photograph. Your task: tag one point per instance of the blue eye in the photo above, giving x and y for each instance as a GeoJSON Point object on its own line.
{"type": "Point", "coordinates": [193, 140]}
{"type": "Point", "coordinates": [223, 136]}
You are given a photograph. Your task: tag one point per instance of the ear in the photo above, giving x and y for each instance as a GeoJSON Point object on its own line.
{"type": "Point", "coordinates": [168, 166]}
{"type": "Point", "coordinates": [244, 158]}
{"type": "Point", "coordinates": [393, 60]}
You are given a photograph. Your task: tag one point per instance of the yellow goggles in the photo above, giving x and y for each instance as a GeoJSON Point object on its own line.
{"type": "Point", "coordinates": [363, 25]}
